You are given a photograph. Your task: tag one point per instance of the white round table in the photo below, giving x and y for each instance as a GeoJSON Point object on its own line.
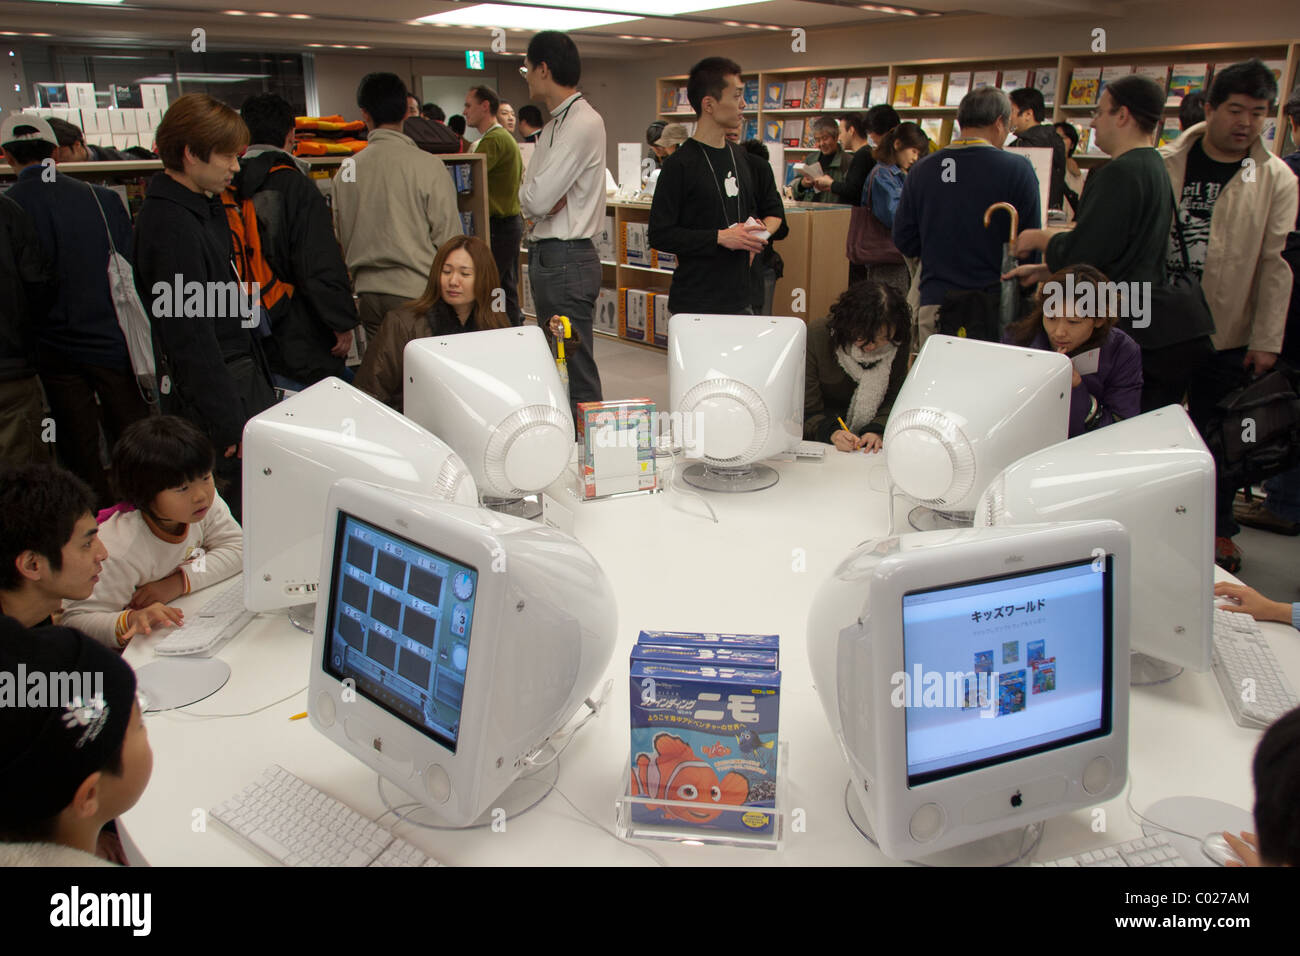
{"type": "Point", "coordinates": [672, 567]}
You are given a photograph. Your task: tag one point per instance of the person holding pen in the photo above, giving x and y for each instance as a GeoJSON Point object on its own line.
{"type": "Point", "coordinates": [856, 362]}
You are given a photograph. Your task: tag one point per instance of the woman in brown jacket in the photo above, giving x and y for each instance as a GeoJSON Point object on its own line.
{"type": "Point", "coordinates": [856, 363]}
{"type": "Point", "coordinates": [458, 298]}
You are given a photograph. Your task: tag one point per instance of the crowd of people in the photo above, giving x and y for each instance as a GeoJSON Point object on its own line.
{"type": "Point", "coordinates": [108, 549]}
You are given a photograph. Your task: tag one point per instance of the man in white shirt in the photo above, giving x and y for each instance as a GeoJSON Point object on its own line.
{"type": "Point", "coordinates": [395, 211]}
{"type": "Point", "coordinates": [563, 193]}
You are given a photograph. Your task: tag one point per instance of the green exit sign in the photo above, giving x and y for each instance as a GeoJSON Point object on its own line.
{"type": "Point", "coordinates": [474, 60]}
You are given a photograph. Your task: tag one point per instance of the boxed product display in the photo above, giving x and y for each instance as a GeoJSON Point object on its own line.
{"type": "Point", "coordinates": [748, 658]}
{"type": "Point", "coordinates": [663, 260]}
{"type": "Point", "coordinates": [707, 736]}
{"type": "Point", "coordinates": [634, 244]}
{"type": "Point", "coordinates": [661, 317]}
{"type": "Point", "coordinates": [760, 642]}
{"type": "Point", "coordinates": [618, 453]}
{"type": "Point", "coordinates": [632, 314]}
{"type": "Point", "coordinates": [526, 302]}
{"type": "Point", "coordinates": [605, 315]}
{"type": "Point", "coordinates": [605, 241]}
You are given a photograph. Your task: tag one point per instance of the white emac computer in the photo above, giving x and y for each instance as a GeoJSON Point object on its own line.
{"type": "Point", "coordinates": [976, 682]}
{"type": "Point", "coordinates": [1154, 475]}
{"type": "Point", "coordinates": [738, 379]}
{"type": "Point", "coordinates": [295, 450]}
{"type": "Point", "coordinates": [496, 397]}
{"type": "Point", "coordinates": [451, 642]}
{"type": "Point", "coordinates": [966, 410]}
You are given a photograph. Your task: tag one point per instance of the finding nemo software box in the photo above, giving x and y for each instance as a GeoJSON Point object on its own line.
{"type": "Point", "coordinates": [704, 735]}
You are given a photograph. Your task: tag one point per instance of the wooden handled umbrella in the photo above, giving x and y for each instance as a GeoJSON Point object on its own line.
{"type": "Point", "coordinates": [1008, 304]}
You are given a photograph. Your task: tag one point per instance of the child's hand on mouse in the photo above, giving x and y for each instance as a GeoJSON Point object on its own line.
{"type": "Point", "coordinates": [1246, 846]}
{"type": "Point", "coordinates": [163, 591]}
{"type": "Point", "coordinates": [144, 620]}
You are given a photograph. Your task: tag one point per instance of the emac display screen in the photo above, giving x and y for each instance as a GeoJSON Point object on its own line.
{"type": "Point", "coordinates": [400, 617]}
{"type": "Point", "coordinates": [1002, 668]}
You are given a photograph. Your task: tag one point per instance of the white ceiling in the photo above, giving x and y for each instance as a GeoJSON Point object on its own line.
{"type": "Point", "coordinates": [353, 25]}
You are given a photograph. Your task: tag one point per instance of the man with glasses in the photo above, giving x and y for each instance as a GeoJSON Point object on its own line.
{"type": "Point", "coordinates": [563, 195]}
{"type": "Point", "coordinates": [830, 154]}
{"type": "Point", "coordinates": [1236, 205]}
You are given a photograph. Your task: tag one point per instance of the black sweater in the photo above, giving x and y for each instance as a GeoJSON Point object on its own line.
{"type": "Point", "coordinates": [179, 232]}
{"type": "Point", "coordinates": [297, 235]}
{"type": "Point", "coordinates": [849, 191]}
{"type": "Point", "coordinates": [27, 290]}
{"type": "Point", "coordinates": [685, 218]}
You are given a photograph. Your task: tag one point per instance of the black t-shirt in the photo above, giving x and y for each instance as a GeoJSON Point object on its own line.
{"type": "Point", "coordinates": [721, 161]}
{"type": "Point", "coordinates": [1201, 187]}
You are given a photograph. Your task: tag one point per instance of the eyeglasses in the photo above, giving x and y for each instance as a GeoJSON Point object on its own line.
{"type": "Point", "coordinates": [523, 71]}
{"type": "Point", "coordinates": [1098, 111]}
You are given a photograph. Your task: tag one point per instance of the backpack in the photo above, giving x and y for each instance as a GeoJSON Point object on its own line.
{"type": "Point", "coordinates": [249, 254]}
{"type": "Point", "coordinates": [1254, 432]}
{"type": "Point", "coordinates": [430, 136]}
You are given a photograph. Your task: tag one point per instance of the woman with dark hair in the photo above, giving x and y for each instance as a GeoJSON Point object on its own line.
{"type": "Point", "coordinates": [458, 298]}
{"type": "Point", "coordinates": [898, 150]}
{"type": "Point", "coordinates": [1074, 318]}
{"type": "Point", "coordinates": [856, 363]}
{"type": "Point", "coordinates": [1073, 174]}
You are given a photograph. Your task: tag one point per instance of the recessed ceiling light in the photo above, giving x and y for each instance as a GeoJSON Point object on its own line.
{"type": "Point", "coordinates": [527, 17]}
{"type": "Point", "coordinates": [235, 13]}
{"type": "Point", "coordinates": [648, 7]}
{"type": "Point", "coordinates": [300, 16]}
{"type": "Point", "coordinates": [267, 13]}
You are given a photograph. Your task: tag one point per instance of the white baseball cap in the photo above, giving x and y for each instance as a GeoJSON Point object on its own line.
{"type": "Point", "coordinates": [40, 131]}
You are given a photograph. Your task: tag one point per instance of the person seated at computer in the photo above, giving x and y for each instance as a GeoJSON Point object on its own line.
{"type": "Point", "coordinates": [50, 549]}
{"type": "Point", "coordinates": [70, 766]}
{"type": "Point", "coordinates": [1249, 601]}
{"type": "Point", "coordinates": [458, 298]}
{"type": "Point", "coordinates": [1276, 771]}
{"type": "Point", "coordinates": [856, 362]}
{"type": "Point", "coordinates": [1068, 320]}
{"type": "Point", "coordinates": [172, 533]}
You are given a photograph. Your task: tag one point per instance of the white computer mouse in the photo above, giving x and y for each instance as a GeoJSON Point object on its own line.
{"type": "Point", "coordinates": [1218, 850]}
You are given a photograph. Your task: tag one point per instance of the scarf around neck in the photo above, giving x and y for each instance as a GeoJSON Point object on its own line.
{"type": "Point", "coordinates": [871, 371]}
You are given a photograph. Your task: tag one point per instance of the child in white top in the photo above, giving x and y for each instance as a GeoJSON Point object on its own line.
{"type": "Point", "coordinates": [172, 535]}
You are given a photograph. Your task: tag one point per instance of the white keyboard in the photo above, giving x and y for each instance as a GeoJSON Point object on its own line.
{"type": "Point", "coordinates": [810, 449]}
{"type": "Point", "coordinates": [216, 622]}
{"type": "Point", "coordinates": [298, 825]}
{"type": "Point", "coordinates": [1242, 654]}
{"type": "Point", "coordinates": [1146, 851]}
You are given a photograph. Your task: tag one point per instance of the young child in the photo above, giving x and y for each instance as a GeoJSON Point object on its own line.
{"type": "Point", "coordinates": [1276, 770]}
{"type": "Point", "coordinates": [172, 535]}
{"type": "Point", "coordinates": [69, 765]}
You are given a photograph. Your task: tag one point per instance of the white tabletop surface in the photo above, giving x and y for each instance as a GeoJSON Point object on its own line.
{"type": "Point", "coordinates": [755, 571]}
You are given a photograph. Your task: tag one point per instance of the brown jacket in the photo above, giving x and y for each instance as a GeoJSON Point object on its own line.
{"type": "Point", "coordinates": [828, 389]}
{"type": "Point", "coordinates": [381, 369]}
{"type": "Point", "coordinates": [1246, 282]}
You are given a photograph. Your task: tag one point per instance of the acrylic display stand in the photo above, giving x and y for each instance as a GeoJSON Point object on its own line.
{"type": "Point", "coordinates": [669, 823]}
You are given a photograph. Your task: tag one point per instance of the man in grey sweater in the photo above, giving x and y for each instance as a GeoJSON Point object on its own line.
{"type": "Point", "coordinates": [393, 209]}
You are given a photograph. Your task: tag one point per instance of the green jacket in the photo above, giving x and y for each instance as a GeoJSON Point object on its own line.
{"type": "Point", "coordinates": [837, 166]}
{"type": "Point", "coordinates": [828, 390]}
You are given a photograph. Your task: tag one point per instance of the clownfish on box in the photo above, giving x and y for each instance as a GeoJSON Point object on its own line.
{"type": "Point", "coordinates": [703, 738]}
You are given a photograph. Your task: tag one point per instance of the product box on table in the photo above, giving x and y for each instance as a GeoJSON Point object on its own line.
{"type": "Point", "coordinates": [617, 447]}
{"type": "Point", "coordinates": [704, 735]}
{"type": "Point", "coordinates": [713, 655]}
{"type": "Point", "coordinates": [758, 642]}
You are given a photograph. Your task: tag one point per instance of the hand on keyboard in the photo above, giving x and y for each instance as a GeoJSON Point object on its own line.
{"type": "Point", "coordinates": [146, 619]}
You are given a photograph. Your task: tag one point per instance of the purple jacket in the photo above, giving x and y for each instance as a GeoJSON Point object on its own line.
{"type": "Point", "coordinates": [1117, 383]}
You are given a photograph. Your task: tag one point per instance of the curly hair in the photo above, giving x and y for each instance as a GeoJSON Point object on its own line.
{"type": "Point", "coordinates": [865, 309]}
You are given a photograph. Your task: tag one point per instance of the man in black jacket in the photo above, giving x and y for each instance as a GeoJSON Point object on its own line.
{"type": "Point", "coordinates": [1028, 114]}
{"type": "Point", "coordinates": [312, 340]}
{"type": "Point", "coordinates": [707, 191]}
{"type": "Point", "coordinates": [27, 291]}
{"type": "Point", "coordinates": [211, 366]}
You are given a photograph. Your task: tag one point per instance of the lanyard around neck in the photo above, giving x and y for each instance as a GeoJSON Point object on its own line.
{"type": "Point", "coordinates": [714, 176]}
{"type": "Point", "coordinates": [560, 117]}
